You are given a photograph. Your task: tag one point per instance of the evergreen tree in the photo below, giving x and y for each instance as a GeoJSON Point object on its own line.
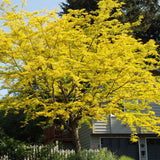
{"type": "Point", "coordinates": [132, 10]}
{"type": "Point", "coordinates": [12, 125]}
{"type": "Point", "coordinates": [88, 5]}
{"type": "Point", "coordinates": [149, 9]}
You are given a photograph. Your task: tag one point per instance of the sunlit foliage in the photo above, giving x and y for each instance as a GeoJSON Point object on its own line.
{"type": "Point", "coordinates": [79, 67]}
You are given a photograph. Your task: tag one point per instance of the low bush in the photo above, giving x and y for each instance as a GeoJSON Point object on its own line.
{"type": "Point", "coordinates": [13, 149]}
{"type": "Point", "coordinates": [125, 158]}
{"type": "Point", "coordinates": [102, 154]}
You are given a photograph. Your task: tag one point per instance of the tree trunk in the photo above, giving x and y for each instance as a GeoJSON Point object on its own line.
{"type": "Point", "coordinates": [73, 127]}
{"type": "Point", "coordinates": [75, 135]}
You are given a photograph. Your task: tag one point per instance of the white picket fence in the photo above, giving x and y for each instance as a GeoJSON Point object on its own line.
{"type": "Point", "coordinates": [39, 151]}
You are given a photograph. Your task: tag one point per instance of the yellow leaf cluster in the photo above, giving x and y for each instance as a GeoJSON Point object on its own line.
{"type": "Point", "coordinates": [78, 67]}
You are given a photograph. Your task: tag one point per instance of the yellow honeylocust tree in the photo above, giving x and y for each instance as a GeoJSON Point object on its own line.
{"type": "Point", "coordinates": [77, 68]}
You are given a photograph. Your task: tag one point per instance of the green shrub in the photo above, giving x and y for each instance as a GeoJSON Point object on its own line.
{"type": "Point", "coordinates": [11, 147]}
{"type": "Point", "coordinates": [103, 154]}
{"type": "Point", "coordinates": [125, 158]}
{"type": "Point", "coordinates": [17, 150]}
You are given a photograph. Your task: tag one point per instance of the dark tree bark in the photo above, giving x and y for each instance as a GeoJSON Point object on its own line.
{"type": "Point", "coordinates": [75, 135]}
{"type": "Point", "coordinates": [73, 127]}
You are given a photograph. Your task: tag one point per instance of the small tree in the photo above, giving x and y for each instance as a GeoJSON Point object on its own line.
{"type": "Point", "coordinates": [67, 68]}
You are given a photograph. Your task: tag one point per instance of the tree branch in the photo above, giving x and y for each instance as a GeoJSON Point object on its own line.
{"type": "Point", "coordinates": [63, 92]}
{"type": "Point", "coordinates": [72, 89]}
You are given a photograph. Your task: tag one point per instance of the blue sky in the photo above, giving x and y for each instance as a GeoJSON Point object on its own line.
{"type": "Point", "coordinates": [41, 4]}
{"type": "Point", "coordinates": [33, 5]}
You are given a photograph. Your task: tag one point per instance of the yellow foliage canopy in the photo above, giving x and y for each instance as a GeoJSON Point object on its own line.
{"type": "Point", "coordinates": [78, 67]}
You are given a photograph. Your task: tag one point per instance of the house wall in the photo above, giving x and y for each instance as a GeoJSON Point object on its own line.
{"type": "Point", "coordinates": [100, 127]}
{"type": "Point", "coordinates": [91, 138]}
{"type": "Point", "coordinates": [155, 108]}
{"type": "Point", "coordinates": [143, 149]}
{"type": "Point", "coordinates": [114, 126]}
{"type": "Point", "coordinates": [95, 141]}
{"type": "Point", "coordinates": [118, 128]}
{"type": "Point", "coordinates": [84, 135]}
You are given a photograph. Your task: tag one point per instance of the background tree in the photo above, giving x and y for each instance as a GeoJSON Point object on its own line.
{"type": "Point", "coordinates": [67, 68]}
{"type": "Point", "coordinates": [88, 5]}
{"type": "Point", "coordinates": [149, 28]}
{"type": "Point", "coordinates": [132, 10]}
{"type": "Point", "coordinates": [12, 123]}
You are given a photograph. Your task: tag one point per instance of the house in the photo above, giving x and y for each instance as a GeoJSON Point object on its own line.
{"type": "Point", "coordinates": [116, 137]}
